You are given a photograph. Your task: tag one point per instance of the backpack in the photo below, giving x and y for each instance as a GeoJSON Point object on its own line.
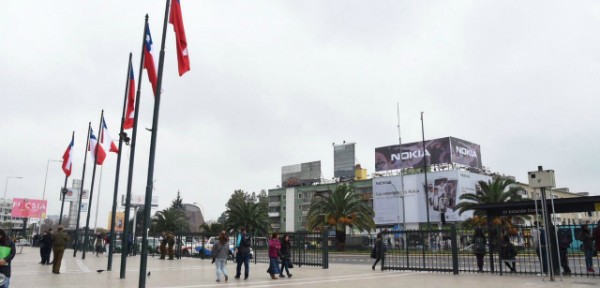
{"type": "Point", "coordinates": [245, 242]}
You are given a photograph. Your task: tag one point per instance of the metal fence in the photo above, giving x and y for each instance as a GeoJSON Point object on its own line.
{"type": "Point", "coordinates": [450, 250]}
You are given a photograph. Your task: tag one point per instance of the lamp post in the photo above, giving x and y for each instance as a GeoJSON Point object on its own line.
{"type": "Point", "coordinates": [44, 193]}
{"type": "Point", "coordinates": [6, 189]}
{"type": "Point", "coordinates": [403, 210]}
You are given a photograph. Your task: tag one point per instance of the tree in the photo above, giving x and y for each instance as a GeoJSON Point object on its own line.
{"type": "Point", "coordinates": [252, 216]}
{"type": "Point", "coordinates": [238, 196]}
{"type": "Point", "coordinates": [498, 190]}
{"type": "Point", "coordinates": [170, 220]}
{"type": "Point", "coordinates": [178, 202]}
{"type": "Point", "coordinates": [344, 207]}
{"type": "Point", "coordinates": [212, 228]}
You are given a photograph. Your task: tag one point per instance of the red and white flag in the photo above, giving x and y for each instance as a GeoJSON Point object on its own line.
{"type": "Point", "coordinates": [92, 148]}
{"type": "Point", "coordinates": [68, 158]}
{"type": "Point", "coordinates": [107, 143]}
{"type": "Point", "coordinates": [130, 111]}
{"type": "Point", "coordinates": [183, 59]}
{"type": "Point", "coordinates": [149, 60]}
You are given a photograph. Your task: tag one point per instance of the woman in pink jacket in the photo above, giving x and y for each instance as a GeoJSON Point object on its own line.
{"type": "Point", "coordinates": [274, 247]}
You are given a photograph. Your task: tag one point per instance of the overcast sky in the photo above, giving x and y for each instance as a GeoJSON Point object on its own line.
{"type": "Point", "coordinates": [275, 83]}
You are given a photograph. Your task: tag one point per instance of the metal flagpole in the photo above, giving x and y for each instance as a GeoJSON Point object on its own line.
{"type": "Point", "coordinates": [87, 221]}
{"type": "Point", "coordinates": [425, 171]}
{"type": "Point", "coordinates": [401, 177]}
{"type": "Point", "coordinates": [64, 189]}
{"type": "Point", "coordinates": [126, 228]}
{"type": "Point", "coordinates": [81, 191]}
{"type": "Point", "coordinates": [116, 193]}
{"type": "Point", "coordinates": [98, 199]}
{"type": "Point", "coordinates": [149, 181]}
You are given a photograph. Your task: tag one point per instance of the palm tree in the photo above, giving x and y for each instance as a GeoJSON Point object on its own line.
{"type": "Point", "coordinates": [170, 219]}
{"type": "Point", "coordinates": [498, 190]}
{"type": "Point", "coordinates": [344, 207]}
{"type": "Point", "coordinates": [252, 216]}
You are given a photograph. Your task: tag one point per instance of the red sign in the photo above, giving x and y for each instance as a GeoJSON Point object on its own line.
{"type": "Point", "coordinates": [28, 208]}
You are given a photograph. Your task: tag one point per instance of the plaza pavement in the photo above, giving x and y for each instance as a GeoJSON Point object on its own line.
{"type": "Point", "coordinates": [188, 272]}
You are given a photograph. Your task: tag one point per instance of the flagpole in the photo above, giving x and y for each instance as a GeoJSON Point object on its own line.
{"type": "Point", "coordinates": [126, 228]}
{"type": "Point", "coordinates": [116, 194]}
{"type": "Point", "coordinates": [87, 221]}
{"type": "Point", "coordinates": [149, 181]}
{"type": "Point", "coordinates": [87, 144]}
{"type": "Point", "coordinates": [64, 189]}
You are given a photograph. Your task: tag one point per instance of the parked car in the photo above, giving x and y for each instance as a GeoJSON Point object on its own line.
{"type": "Point", "coordinates": [207, 249]}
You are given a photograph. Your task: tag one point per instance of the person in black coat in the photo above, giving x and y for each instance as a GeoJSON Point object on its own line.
{"type": "Point", "coordinates": [7, 253]}
{"type": "Point", "coordinates": [285, 256]}
{"type": "Point", "coordinates": [380, 250]}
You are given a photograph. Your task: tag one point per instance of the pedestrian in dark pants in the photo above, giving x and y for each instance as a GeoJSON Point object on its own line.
{"type": "Point", "coordinates": [286, 256]}
{"type": "Point", "coordinates": [479, 247]}
{"type": "Point", "coordinates": [587, 246]}
{"type": "Point", "coordinates": [508, 253]}
{"type": "Point", "coordinates": [242, 254]}
{"type": "Point", "coordinates": [46, 247]}
{"type": "Point", "coordinates": [380, 250]}
{"type": "Point", "coordinates": [564, 242]}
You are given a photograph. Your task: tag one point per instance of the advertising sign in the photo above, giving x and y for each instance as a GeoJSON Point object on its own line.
{"type": "Point", "coordinates": [437, 151]}
{"type": "Point", "coordinates": [73, 195]}
{"type": "Point", "coordinates": [138, 200]}
{"type": "Point", "coordinates": [119, 221]}
{"type": "Point", "coordinates": [28, 208]}
{"type": "Point", "coordinates": [301, 174]}
{"type": "Point", "coordinates": [343, 161]}
{"type": "Point", "coordinates": [445, 188]}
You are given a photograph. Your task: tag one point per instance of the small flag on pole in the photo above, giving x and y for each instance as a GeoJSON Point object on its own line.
{"type": "Point", "coordinates": [183, 59]}
{"type": "Point", "coordinates": [68, 158]}
{"type": "Point", "coordinates": [130, 111]}
{"type": "Point", "coordinates": [105, 141]}
{"type": "Point", "coordinates": [92, 148]}
{"type": "Point", "coordinates": [149, 60]}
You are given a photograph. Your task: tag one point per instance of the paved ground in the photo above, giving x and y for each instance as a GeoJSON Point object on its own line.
{"type": "Point", "coordinates": [200, 273]}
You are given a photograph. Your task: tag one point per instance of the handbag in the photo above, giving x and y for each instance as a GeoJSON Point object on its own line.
{"type": "Point", "coordinates": [290, 264]}
{"type": "Point", "coordinates": [215, 257]}
{"type": "Point", "coordinates": [373, 253]}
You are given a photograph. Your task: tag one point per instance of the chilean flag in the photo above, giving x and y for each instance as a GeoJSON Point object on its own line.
{"type": "Point", "coordinates": [92, 148]}
{"type": "Point", "coordinates": [149, 60]}
{"type": "Point", "coordinates": [105, 141]}
{"type": "Point", "coordinates": [130, 112]}
{"type": "Point", "coordinates": [68, 158]}
{"type": "Point", "coordinates": [183, 59]}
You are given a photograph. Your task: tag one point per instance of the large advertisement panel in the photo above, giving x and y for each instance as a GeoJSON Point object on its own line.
{"type": "Point", "coordinates": [437, 151]}
{"type": "Point", "coordinates": [138, 200]}
{"type": "Point", "coordinates": [72, 194]}
{"type": "Point", "coordinates": [344, 161]}
{"type": "Point", "coordinates": [28, 208]}
{"type": "Point", "coordinates": [445, 188]}
{"type": "Point", "coordinates": [465, 152]}
{"type": "Point", "coordinates": [301, 174]}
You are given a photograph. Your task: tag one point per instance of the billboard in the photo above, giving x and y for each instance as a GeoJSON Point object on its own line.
{"type": "Point", "coordinates": [301, 174]}
{"type": "Point", "coordinates": [138, 200]}
{"type": "Point", "coordinates": [445, 189]}
{"type": "Point", "coordinates": [437, 151]}
{"type": "Point", "coordinates": [119, 221]}
{"type": "Point", "coordinates": [73, 195]}
{"type": "Point", "coordinates": [28, 208]}
{"type": "Point", "coordinates": [343, 161]}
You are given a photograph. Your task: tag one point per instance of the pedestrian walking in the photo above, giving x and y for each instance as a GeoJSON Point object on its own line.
{"type": "Point", "coordinates": [219, 252]}
{"type": "Point", "coordinates": [99, 244]}
{"type": "Point", "coordinates": [479, 247]}
{"type": "Point", "coordinates": [379, 249]}
{"type": "Point", "coordinates": [587, 246]}
{"type": "Point", "coordinates": [163, 246]}
{"type": "Point", "coordinates": [60, 240]}
{"type": "Point", "coordinates": [7, 253]}
{"type": "Point", "coordinates": [508, 253]}
{"type": "Point", "coordinates": [274, 253]}
{"type": "Point", "coordinates": [286, 259]}
{"type": "Point", "coordinates": [170, 243]}
{"type": "Point", "coordinates": [45, 247]}
{"type": "Point", "coordinates": [538, 237]}
{"type": "Point", "coordinates": [564, 242]}
{"type": "Point", "coordinates": [242, 253]}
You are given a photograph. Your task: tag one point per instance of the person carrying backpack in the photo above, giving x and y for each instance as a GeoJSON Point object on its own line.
{"type": "Point", "coordinates": [242, 254]}
{"type": "Point", "coordinates": [479, 247]}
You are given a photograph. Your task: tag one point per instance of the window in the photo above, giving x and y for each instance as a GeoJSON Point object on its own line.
{"type": "Point", "coordinates": [283, 208]}
{"type": "Point", "coordinates": [283, 196]}
{"type": "Point", "coordinates": [299, 218]}
{"type": "Point", "coordinates": [299, 195]}
{"type": "Point", "coordinates": [300, 207]}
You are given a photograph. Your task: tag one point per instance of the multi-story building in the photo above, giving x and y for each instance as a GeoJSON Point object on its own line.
{"type": "Point", "coordinates": [288, 206]}
{"type": "Point", "coordinates": [6, 219]}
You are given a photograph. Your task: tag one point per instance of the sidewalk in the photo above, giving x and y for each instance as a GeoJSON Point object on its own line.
{"type": "Point", "coordinates": [188, 272]}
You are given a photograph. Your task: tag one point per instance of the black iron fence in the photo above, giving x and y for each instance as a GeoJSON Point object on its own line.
{"type": "Point", "coordinates": [450, 250]}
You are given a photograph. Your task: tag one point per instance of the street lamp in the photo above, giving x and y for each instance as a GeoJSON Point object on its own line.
{"type": "Point", "coordinates": [44, 193]}
{"type": "Point", "coordinates": [4, 202]}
